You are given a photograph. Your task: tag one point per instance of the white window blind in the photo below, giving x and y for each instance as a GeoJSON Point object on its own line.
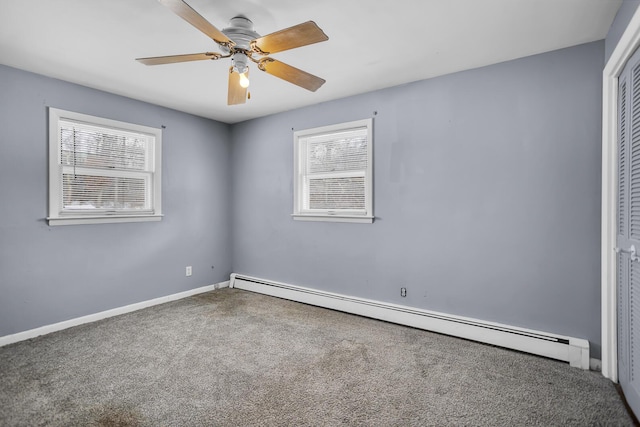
{"type": "Point", "coordinates": [102, 168]}
{"type": "Point", "coordinates": [333, 167]}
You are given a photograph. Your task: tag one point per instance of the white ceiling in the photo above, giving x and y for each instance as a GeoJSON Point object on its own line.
{"type": "Point", "coordinates": [372, 44]}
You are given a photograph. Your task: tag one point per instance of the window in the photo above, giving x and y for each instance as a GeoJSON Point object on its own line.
{"type": "Point", "coordinates": [102, 170]}
{"type": "Point", "coordinates": [333, 173]}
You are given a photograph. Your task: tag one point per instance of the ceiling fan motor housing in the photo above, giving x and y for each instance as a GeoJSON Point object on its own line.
{"type": "Point", "coordinates": [240, 30]}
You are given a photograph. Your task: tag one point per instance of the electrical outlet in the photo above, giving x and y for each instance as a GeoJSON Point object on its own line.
{"type": "Point", "coordinates": [403, 292]}
{"type": "Point", "coordinates": [188, 271]}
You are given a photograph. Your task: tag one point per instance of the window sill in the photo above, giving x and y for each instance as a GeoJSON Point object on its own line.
{"type": "Point", "coordinates": [101, 219]}
{"type": "Point", "coordinates": [334, 218]}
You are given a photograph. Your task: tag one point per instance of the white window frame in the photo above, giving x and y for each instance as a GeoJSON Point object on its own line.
{"type": "Point", "coordinates": [299, 176]}
{"type": "Point", "coordinates": [58, 216]}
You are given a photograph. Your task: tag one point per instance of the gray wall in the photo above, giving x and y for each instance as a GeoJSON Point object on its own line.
{"type": "Point", "coordinates": [619, 24]}
{"type": "Point", "coordinates": [487, 196]}
{"type": "Point", "coordinates": [51, 274]}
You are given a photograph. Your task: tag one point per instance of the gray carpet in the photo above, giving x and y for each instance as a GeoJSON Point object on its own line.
{"type": "Point", "coordinates": [235, 358]}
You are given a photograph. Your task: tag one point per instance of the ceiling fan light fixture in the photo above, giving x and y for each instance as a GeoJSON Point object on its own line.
{"type": "Point", "coordinates": [244, 80]}
{"type": "Point", "coordinates": [240, 62]}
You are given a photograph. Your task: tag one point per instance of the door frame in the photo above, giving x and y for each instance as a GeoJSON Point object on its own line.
{"type": "Point", "coordinates": [626, 46]}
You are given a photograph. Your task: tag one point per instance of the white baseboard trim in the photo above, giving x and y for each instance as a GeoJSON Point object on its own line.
{"type": "Point", "coordinates": [568, 349]}
{"type": "Point", "coordinates": [595, 365]}
{"type": "Point", "coordinates": [47, 329]}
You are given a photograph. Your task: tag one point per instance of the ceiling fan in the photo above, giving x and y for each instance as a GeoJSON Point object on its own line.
{"type": "Point", "coordinates": [240, 43]}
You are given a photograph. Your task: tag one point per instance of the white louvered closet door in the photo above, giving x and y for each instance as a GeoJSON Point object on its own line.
{"type": "Point", "coordinates": [628, 239]}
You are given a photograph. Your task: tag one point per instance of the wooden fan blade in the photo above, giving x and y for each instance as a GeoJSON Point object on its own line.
{"type": "Point", "coordinates": [183, 10]}
{"type": "Point", "coordinates": [290, 74]}
{"type": "Point", "coordinates": [289, 38]}
{"type": "Point", "coordinates": [237, 94]}
{"type": "Point", "coordinates": [158, 60]}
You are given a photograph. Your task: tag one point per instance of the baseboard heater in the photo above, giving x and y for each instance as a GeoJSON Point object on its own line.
{"type": "Point", "coordinates": [575, 351]}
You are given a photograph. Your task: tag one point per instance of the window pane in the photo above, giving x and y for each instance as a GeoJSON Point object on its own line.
{"type": "Point", "coordinates": [345, 154]}
{"type": "Point", "coordinates": [88, 146]}
{"type": "Point", "coordinates": [103, 192]}
{"type": "Point", "coordinates": [337, 193]}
